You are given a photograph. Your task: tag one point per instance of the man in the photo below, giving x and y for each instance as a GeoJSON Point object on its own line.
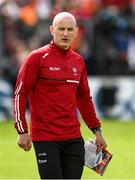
{"type": "Point", "coordinates": [54, 77]}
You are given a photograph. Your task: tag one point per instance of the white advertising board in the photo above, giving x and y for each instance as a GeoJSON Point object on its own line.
{"type": "Point", "coordinates": [114, 97]}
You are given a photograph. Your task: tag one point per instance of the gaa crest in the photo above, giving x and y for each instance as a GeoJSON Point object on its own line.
{"type": "Point", "coordinates": [74, 70]}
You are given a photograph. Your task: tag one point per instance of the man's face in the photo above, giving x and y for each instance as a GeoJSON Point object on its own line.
{"type": "Point", "coordinates": [64, 32]}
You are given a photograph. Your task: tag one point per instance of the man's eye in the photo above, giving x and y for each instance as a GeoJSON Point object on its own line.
{"type": "Point", "coordinates": [61, 29]}
{"type": "Point", "coordinates": [70, 29]}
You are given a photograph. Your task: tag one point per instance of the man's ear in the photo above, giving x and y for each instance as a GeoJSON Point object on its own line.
{"type": "Point", "coordinates": [76, 31]}
{"type": "Point", "coordinates": [51, 30]}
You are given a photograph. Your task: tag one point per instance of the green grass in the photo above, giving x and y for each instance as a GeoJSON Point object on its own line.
{"type": "Point", "coordinates": [16, 163]}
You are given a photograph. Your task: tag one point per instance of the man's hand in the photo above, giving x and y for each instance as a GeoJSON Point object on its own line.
{"type": "Point", "coordinates": [24, 141]}
{"type": "Point", "coordinates": [100, 141]}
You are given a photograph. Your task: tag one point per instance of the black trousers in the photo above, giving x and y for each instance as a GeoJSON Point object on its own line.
{"type": "Point", "coordinates": [61, 159]}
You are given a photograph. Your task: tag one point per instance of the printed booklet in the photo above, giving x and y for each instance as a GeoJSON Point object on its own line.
{"type": "Point", "coordinates": [97, 162]}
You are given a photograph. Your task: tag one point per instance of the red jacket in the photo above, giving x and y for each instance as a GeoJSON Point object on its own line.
{"type": "Point", "coordinates": [56, 83]}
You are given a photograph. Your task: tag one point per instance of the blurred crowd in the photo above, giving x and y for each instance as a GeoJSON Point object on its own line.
{"type": "Point", "coordinates": [106, 33]}
{"type": "Point", "coordinates": [106, 37]}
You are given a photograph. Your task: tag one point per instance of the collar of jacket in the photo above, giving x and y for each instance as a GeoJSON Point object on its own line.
{"type": "Point", "coordinates": [57, 48]}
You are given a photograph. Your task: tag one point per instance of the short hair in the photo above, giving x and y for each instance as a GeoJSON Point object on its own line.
{"type": "Point", "coordinates": [62, 15]}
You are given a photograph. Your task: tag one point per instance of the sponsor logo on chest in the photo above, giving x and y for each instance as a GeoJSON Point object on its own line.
{"type": "Point", "coordinates": [53, 68]}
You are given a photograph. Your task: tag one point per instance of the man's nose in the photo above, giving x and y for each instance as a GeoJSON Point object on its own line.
{"type": "Point", "coordinates": [65, 32]}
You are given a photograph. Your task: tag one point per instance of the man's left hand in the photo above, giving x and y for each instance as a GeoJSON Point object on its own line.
{"type": "Point", "coordinates": [100, 141]}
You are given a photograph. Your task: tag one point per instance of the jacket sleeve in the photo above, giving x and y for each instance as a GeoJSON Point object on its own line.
{"type": "Point", "coordinates": [26, 79]}
{"type": "Point", "coordinates": [85, 103]}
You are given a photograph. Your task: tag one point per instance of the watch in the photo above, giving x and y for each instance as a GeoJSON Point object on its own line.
{"type": "Point", "coordinates": [94, 130]}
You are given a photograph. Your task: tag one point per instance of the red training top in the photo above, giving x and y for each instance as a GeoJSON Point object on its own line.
{"type": "Point", "coordinates": [56, 83]}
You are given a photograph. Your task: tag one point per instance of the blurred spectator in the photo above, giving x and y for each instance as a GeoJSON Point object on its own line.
{"type": "Point", "coordinates": [119, 3]}
{"type": "Point", "coordinates": [131, 54]}
{"type": "Point", "coordinates": [131, 42]}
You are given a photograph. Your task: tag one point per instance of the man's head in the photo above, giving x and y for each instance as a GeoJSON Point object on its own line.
{"type": "Point", "coordinates": [64, 29]}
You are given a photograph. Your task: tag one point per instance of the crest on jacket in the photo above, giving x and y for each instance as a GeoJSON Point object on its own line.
{"type": "Point", "coordinates": [74, 70]}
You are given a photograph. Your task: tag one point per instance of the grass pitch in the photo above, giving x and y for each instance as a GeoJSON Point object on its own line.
{"type": "Point", "coordinates": [120, 136]}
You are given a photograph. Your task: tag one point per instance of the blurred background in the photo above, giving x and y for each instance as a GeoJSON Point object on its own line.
{"type": "Point", "coordinates": [106, 39]}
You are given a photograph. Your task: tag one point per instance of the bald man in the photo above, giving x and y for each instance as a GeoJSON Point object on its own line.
{"type": "Point", "coordinates": [55, 80]}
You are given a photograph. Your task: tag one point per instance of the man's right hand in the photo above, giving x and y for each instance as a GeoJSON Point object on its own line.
{"type": "Point", "coordinates": [24, 141]}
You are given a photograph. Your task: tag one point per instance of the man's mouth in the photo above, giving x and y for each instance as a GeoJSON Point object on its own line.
{"type": "Point", "coordinates": [65, 40]}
